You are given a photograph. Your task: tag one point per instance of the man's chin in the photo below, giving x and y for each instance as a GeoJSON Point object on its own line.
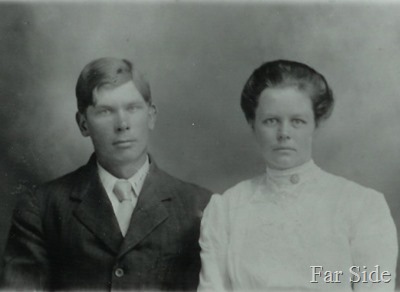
{"type": "Point", "coordinates": [130, 157]}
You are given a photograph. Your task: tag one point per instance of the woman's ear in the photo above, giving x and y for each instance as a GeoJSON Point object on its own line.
{"type": "Point", "coordinates": [251, 124]}
{"type": "Point", "coordinates": [82, 124]}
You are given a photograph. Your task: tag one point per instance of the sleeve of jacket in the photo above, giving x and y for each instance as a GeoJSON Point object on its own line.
{"type": "Point", "coordinates": [25, 263]}
{"type": "Point", "coordinates": [213, 243]}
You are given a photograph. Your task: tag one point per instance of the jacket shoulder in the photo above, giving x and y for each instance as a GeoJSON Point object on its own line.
{"type": "Point", "coordinates": [67, 178]}
{"type": "Point", "coordinates": [66, 182]}
{"type": "Point", "coordinates": [184, 190]}
{"type": "Point", "coordinates": [56, 190]}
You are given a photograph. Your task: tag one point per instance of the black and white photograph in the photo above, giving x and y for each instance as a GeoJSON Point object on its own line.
{"type": "Point", "coordinates": [200, 145]}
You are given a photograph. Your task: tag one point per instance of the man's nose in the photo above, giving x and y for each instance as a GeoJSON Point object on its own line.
{"type": "Point", "coordinates": [121, 123]}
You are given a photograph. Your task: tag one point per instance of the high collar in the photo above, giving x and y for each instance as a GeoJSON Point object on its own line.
{"type": "Point", "coordinates": [108, 180]}
{"type": "Point", "coordinates": [293, 177]}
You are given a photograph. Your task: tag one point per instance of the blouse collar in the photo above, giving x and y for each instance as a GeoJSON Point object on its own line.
{"type": "Point", "coordinates": [293, 176]}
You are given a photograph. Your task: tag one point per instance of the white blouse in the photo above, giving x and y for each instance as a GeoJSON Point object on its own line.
{"type": "Point", "coordinates": [297, 230]}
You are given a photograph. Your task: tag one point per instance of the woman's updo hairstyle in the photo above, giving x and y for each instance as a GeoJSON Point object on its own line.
{"type": "Point", "coordinates": [281, 74]}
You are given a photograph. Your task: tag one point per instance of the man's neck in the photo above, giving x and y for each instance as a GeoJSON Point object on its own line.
{"type": "Point", "coordinates": [124, 171]}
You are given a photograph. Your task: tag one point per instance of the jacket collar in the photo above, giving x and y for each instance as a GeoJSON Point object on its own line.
{"type": "Point", "coordinates": [150, 210]}
{"type": "Point", "coordinates": [96, 213]}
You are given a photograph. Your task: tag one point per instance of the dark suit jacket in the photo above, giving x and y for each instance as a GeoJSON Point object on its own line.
{"type": "Point", "coordinates": [65, 236]}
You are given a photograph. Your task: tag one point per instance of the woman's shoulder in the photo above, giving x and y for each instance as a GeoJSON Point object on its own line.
{"type": "Point", "coordinates": [244, 188]}
{"type": "Point", "coordinates": [222, 206]}
{"type": "Point", "coordinates": [238, 193]}
{"type": "Point", "coordinates": [358, 203]}
{"type": "Point", "coordinates": [348, 188]}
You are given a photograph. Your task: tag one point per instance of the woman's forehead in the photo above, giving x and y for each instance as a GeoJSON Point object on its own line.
{"type": "Point", "coordinates": [285, 99]}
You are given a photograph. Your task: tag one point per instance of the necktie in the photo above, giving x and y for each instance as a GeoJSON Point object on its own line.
{"type": "Point", "coordinates": [124, 192]}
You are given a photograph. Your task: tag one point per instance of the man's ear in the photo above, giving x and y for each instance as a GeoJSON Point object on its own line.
{"type": "Point", "coordinates": [152, 116]}
{"type": "Point", "coordinates": [82, 124]}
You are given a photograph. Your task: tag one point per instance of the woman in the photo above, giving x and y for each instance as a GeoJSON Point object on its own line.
{"type": "Point", "coordinates": [296, 227]}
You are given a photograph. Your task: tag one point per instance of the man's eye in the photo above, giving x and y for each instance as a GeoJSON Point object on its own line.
{"type": "Point", "coordinates": [133, 108]}
{"type": "Point", "coordinates": [103, 112]}
{"type": "Point", "coordinates": [270, 122]}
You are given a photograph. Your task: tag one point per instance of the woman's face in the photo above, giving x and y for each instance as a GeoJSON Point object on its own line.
{"type": "Point", "coordinates": [284, 127]}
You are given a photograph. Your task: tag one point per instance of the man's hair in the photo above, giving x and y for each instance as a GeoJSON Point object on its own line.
{"type": "Point", "coordinates": [281, 74]}
{"type": "Point", "coordinates": [108, 73]}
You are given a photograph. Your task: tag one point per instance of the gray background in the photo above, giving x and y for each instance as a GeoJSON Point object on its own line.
{"type": "Point", "coordinates": [197, 57]}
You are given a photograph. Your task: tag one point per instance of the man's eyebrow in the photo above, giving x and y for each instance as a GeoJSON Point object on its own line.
{"type": "Point", "coordinates": [101, 105]}
{"type": "Point", "coordinates": [135, 103]}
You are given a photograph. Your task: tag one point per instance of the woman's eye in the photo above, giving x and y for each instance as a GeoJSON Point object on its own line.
{"type": "Point", "coordinates": [298, 122]}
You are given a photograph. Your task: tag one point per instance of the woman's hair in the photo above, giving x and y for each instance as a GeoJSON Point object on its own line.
{"type": "Point", "coordinates": [281, 74]}
{"type": "Point", "coordinates": [108, 72]}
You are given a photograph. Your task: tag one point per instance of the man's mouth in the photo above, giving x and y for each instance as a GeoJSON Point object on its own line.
{"type": "Point", "coordinates": [124, 142]}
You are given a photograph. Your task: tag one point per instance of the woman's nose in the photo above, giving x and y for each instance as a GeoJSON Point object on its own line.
{"type": "Point", "coordinates": [121, 123]}
{"type": "Point", "coordinates": [283, 132]}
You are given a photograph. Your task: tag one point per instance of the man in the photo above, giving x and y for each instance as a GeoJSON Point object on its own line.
{"type": "Point", "coordinates": [119, 222]}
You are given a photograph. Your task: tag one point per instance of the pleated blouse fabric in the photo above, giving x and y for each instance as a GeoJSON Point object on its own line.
{"type": "Point", "coordinates": [266, 233]}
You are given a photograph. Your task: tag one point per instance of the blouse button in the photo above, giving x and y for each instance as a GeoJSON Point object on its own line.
{"type": "Point", "coordinates": [294, 179]}
{"type": "Point", "coordinates": [119, 272]}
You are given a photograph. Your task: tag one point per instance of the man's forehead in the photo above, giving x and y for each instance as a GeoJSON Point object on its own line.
{"type": "Point", "coordinates": [127, 89]}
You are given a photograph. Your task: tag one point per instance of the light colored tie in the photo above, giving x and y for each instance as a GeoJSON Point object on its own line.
{"type": "Point", "coordinates": [124, 192]}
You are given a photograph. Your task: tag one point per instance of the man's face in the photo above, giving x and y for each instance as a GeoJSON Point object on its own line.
{"type": "Point", "coordinates": [118, 122]}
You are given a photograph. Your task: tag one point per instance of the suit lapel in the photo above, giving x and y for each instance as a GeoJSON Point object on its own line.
{"type": "Point", "coordinates": [150, 210]}
{"type": "Point", "coordinates": [95, 209]}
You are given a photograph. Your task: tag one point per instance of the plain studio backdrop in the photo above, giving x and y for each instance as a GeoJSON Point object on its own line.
{"type": "Point", "coordinates": [197, 57]}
